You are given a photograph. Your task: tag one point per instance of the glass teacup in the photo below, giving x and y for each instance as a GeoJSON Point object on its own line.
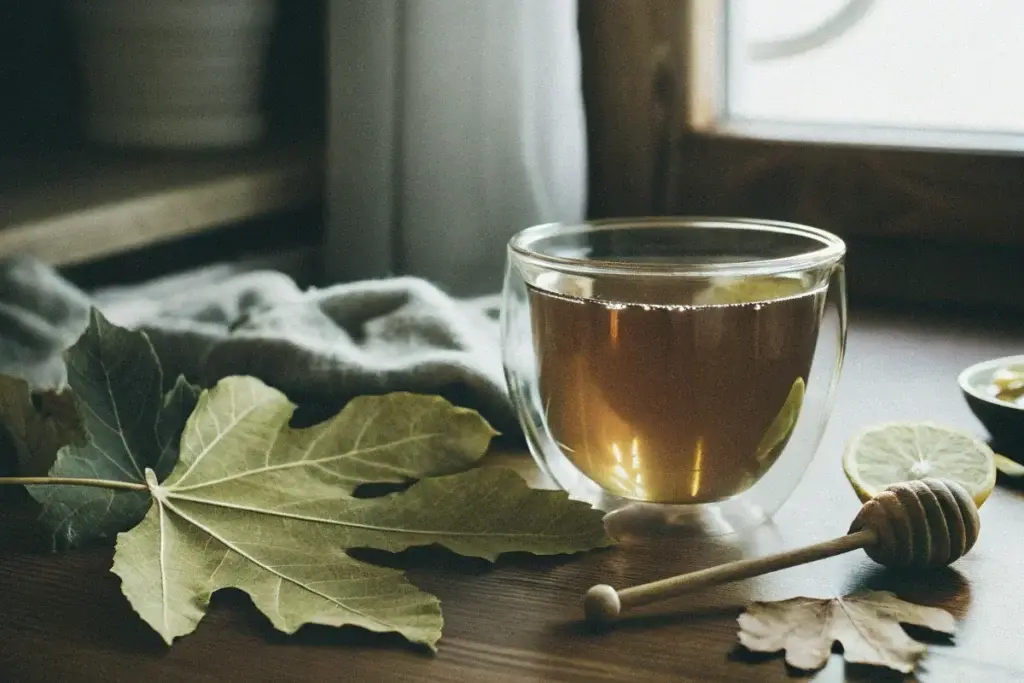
{"type": "Point", "coordinates": [679, 368]}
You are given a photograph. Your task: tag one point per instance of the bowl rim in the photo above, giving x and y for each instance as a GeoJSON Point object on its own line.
{"type": "Point", "coordinates": [963, 379]}
{"type": "Point", "coordinates": [830, 250]}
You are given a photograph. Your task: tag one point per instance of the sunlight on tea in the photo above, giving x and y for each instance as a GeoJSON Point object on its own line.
{"type": "Point", "coordinates": [627, 473]}
{"type": "Point", "coordinates": [698, 462]}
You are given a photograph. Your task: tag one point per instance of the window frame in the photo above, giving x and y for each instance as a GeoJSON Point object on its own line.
{"type": "Point", "coordinates": [932, 223]}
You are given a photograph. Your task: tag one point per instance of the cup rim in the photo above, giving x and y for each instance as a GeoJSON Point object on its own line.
{"type": "Point", "coordinates": [831, 251]}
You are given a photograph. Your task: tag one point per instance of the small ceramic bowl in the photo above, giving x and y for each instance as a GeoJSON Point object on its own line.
{"type": "Point", "coordinates": [1004, 421]}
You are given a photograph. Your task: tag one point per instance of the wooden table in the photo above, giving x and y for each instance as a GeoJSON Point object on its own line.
{"type": "Point", "coordinates": [62, 618]}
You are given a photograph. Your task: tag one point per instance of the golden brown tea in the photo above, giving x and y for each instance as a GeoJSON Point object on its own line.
{"type": "Point", "coordinates": [659, 396]}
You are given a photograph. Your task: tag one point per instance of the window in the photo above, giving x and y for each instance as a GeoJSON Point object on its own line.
{"type": "Point", "coordinates": [894, 123]}
{"type": "Point", "coordinates": [916, 65]}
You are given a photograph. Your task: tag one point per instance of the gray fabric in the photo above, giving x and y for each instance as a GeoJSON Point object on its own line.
{"type": "Point", "coordinates": [320, 346]}
{"type": "Point", "coordinates": [40, 314]}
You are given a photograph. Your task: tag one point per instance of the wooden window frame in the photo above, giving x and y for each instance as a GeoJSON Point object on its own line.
{"type": "Point", "coordinates": [931, 223]}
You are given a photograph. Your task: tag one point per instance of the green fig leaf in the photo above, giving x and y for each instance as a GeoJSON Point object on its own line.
{"type": "Point", "coordinates": [131, 425]}
{"type": "Point", "coordinates": [257, 505]}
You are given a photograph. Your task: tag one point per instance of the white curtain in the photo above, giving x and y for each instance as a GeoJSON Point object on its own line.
{"type": "Point", "coordinates": [454, 123]}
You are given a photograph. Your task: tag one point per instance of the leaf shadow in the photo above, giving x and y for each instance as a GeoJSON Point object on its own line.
{"type": "Point", "coordinates": [97, 616]}
{"type": "Point", "coordinates": [138, 640]}
{"type": "Point", "coordinates": [851, 672]}
{"type": "Point", "coordinates": [945, 587]}
{"type": "Point", "coordinates": [314, 635]}
{"type": "Point", "coordinates": [435, 558]}
{"type": "Point", "coordinates": [742, 655]}
{"type": "Point", "coordinates": [866, 672]}
{"type": "Point", "coordinates": [377, 490]}
{"type": "Point", "coordinates": [233, 608]}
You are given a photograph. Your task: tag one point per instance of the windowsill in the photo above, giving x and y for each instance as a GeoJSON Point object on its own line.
{"type": "Point", "coordinates": [896, 139]}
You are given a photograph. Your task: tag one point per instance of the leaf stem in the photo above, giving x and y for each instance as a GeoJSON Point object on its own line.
{"type": "Point", "coordinates": [73, 481]}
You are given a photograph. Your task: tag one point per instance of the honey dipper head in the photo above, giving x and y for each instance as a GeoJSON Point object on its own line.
{"type": "Point", "coordinates": [920, 524]}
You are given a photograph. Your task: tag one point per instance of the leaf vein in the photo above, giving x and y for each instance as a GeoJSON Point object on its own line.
{"type": "Point", "coordinates": [265, 567]}
{"type": "Point", "coordinates": [206, 449]}
{"type": "Point", "coordinates": [349, 524]}
{"type": "Point", "coordinates": [299, 463]}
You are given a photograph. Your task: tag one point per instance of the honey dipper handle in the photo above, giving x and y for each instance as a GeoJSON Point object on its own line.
{"type": "Point", "coordinates": [598, 604]}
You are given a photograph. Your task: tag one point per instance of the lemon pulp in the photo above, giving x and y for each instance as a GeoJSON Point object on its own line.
{"type": "Point", "coordinates": [895, 452]}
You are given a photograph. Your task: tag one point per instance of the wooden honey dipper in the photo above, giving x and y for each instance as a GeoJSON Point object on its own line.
{"type": "Point", "coordinates": [919, 524]}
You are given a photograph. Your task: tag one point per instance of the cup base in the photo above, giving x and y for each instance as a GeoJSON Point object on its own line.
{"type": "Point", "coordinates": [674, 521]}
{"type": "Point", "coordinates": [626, 518]}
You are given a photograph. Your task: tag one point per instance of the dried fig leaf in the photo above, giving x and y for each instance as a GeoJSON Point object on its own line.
{"type": "Point", "coordinates": [867, 625]}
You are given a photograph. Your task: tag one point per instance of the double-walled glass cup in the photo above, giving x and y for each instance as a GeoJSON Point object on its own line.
{"type": "Point", "coordinates": [675, 372]}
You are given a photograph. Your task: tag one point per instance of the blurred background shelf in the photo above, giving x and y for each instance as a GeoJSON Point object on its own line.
{"type": "Point", "coordinates": [87, 205]}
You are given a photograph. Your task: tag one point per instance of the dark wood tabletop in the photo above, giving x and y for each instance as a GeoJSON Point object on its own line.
{"type": "Point", "coordinates": [63, 618]}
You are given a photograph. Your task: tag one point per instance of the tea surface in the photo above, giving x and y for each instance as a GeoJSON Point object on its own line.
{"type": "Point", "coordinates": [661, 399]}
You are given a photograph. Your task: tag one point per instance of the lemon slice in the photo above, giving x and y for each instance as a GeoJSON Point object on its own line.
{"type": "Point", "coordinates": [895, 452]}
{"type": "Point", "coordinates": [1011, 468]}
{"type": "Point", "coordinates": [749, 290]}
{"type": "Point", "coordinates": [775, 439]}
